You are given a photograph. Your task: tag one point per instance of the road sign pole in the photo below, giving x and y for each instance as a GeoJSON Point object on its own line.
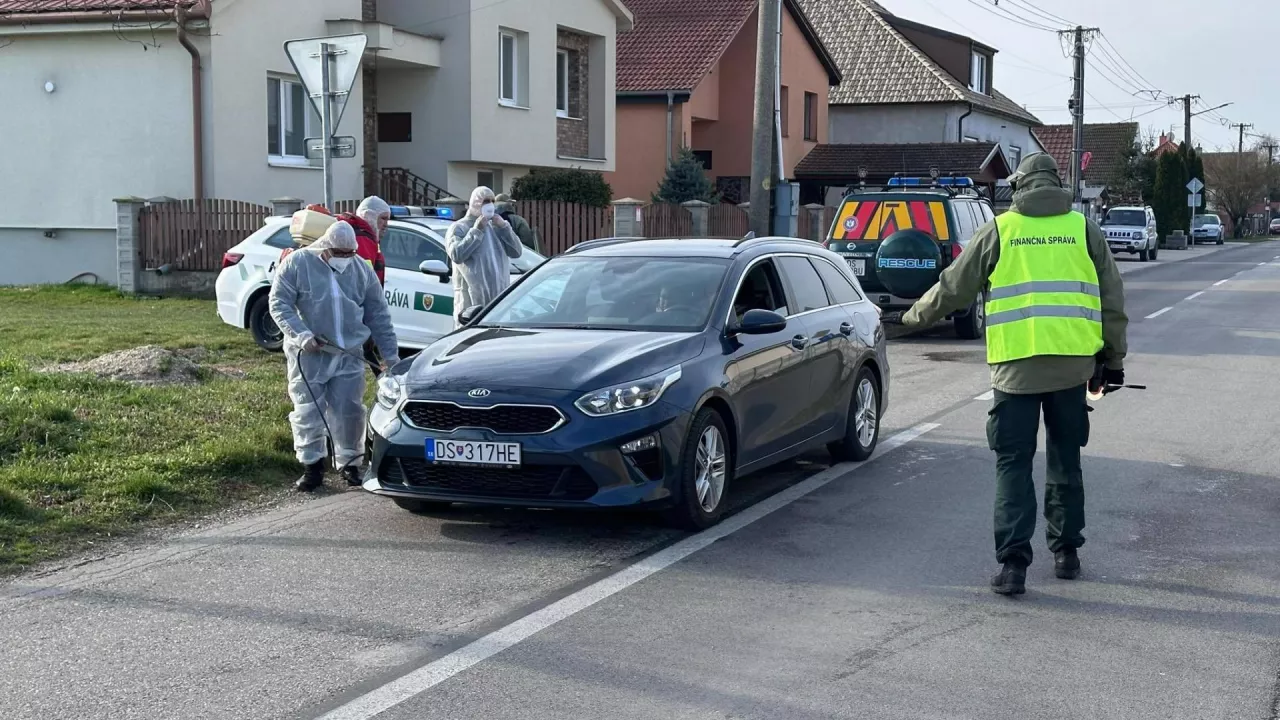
{"type": "Point", "coordinates": [326, 123]}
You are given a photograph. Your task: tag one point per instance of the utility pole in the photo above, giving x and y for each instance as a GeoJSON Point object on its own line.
{"type": "Point", "coordinates": [762, 152]}
{"type": "Point", "coordinates": [1243, 127]}
{"type": "Point", "coordinates": [1077, 109]}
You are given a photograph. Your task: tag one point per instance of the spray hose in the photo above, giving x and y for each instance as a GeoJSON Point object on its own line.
{"type": "Point", "coordinates": [333, 445]}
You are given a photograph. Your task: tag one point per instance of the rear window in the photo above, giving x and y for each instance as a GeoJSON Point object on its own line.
{"type": "Point", "coordinates": [281, 239]}
{"type": "Point", "coordinates": [1136, 218]}
{"type": "Point", "coordinates": [867, 218]}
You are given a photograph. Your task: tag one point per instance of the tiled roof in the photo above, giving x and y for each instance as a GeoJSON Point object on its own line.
{"type": "Point", "coordinates": [1108, 142]}
{"type": "Point", "coordinates": [880, 66]}
{"type": "Point", "coordinates": [841, 162]}
{"type": "Point", "coordinates": [49, 6]}
{"type": "Point", "coordinates": [675, 43]}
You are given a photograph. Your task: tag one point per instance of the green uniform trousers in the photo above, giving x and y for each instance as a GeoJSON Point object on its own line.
{"type": "Point", "coordinates": [1012, 426]}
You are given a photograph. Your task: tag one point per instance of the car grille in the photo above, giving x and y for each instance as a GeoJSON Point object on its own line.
{"type": "Point", "coordinates": [500, 419]}
{"type": "Point", "coordinates": [532, 482]}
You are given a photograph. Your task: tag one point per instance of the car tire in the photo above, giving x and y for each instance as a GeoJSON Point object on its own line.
{"type": "Point", "coordinates": [263, 328]}
{"type": "Point", "coordinates": [697, 488]}
{"type": "Point", "coordinates": [973, 324]}
{"type": "Point", "coordinates": [1155, 253]}
{"type": "Point", "coordinates": [422, 507]}
{"type": "Point", "coordinates": [1221, 239]}
{"type": "Point", "coordinates": [862, 425]}
{"type": "Point", "coordinates": [1144, 255]}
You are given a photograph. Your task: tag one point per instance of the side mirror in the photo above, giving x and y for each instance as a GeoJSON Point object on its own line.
{"type": "Point", "coordinates": [437, 268]}
{"type": "Point", "coordinates": [470, 313]}
{"type": "Point", "coordinates": [761, 322]}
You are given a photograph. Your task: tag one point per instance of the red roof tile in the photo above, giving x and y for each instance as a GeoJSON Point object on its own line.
{"type": "Point", "coordinates": [1109, 142]}
{"type": "Point", "coordinates": [675, 43]}
{"type": "Point", "coordinates": [50, 6]}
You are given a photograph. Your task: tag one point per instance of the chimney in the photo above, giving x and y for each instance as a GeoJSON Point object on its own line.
{"type": "Point", "coordinates": [1163, 138]}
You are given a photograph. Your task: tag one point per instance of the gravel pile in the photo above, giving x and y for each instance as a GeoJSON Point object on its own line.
{"type": "Point", "coordinates": [149, 365]}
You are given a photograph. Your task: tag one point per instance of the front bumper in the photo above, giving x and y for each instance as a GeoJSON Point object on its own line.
{"type": "Point", "coordinates": [577, 465]}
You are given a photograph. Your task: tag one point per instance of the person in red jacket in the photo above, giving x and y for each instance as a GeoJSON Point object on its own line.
{"type": "Point", "coordinates": [370, 221]}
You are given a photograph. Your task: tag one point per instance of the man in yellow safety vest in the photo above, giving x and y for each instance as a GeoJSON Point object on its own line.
{"type": "Point", "coordinates": [1054, 307]}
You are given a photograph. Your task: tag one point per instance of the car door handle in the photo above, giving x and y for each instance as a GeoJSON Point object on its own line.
{"type": "Point", "coordinates": [846, 329]}
{"type": "Point", "coordinates": [799, 342]}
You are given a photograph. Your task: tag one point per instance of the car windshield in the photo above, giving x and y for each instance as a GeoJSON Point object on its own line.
{"type": "Point", "coordinates": [1202, 220]}
{"type": "Point", "coordinates": [1134, 218]}
{"type": "Point", "coordinates": [527, 261]}
{"type": "Point", "coordinates": [613, 293]}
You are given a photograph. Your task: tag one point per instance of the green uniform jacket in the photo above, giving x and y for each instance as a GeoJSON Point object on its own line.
{"type": "Point", "coordinates": [964, 279]}
{"type": "Point", "coordinates": [524, 231]}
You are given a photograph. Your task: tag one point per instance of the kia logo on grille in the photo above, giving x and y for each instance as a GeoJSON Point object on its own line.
{"type": "Point", "coordinates": [479, 393]}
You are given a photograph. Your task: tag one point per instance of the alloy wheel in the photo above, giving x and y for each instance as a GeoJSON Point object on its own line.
{"type": "Point", "coordinates": [710, 467]}
{"type": "Point", "coordinates": [866, 416]}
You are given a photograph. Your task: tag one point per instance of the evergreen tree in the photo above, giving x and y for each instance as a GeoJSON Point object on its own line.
{"type": "Point", "coordinates": [1170, 202]}
{"type": "Point", "coordinates": [1195, 169]}
{"type": "Point", "coordinates": [685, 180]}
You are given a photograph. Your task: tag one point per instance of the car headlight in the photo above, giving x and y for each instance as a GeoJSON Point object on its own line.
{"type": "Point", "coordinates": [628, 396]}
{"type": "Point", "coordinates": [389, 391]}
{"type": "Point", "coordinates": [1137, 236]}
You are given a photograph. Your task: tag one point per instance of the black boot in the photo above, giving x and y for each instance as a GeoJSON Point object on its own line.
{"type": "Point", "coordinates": [1066, 564]}
{"type": "Point", "coordinates": [1011, 580]}
{"type": "Point", "coordinates": [351, 474]}
{"type": "Point", "coordinates": [312, 478]}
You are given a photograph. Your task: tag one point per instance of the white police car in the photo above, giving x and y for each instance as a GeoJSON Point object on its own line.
{"type": "Point", "coordinates": [421, 305]}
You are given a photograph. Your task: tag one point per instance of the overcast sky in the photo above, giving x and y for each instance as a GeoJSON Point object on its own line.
{"type": "Point", "coordinates": [1223, 50]}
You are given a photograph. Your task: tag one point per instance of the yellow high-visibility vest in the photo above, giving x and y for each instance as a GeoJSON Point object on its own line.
{"type": "Point", "coordinates": [1044, 297]}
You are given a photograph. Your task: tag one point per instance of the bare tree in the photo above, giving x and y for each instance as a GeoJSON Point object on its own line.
{"type": "Point", "coordinates": [1237, 181]}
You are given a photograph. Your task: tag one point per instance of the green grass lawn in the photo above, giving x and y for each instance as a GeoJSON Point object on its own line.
{"type": "Point", "coordinates": [81, 458]}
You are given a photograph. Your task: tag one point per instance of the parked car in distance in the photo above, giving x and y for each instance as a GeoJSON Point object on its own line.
{"type": "Point", "coordinates": [637, 373]}
{"type": "Point", "coordinates": [898, 240]}
{"type": "Point", "coordinates": [1207, 228]}
{"type": "Point", "coordinates": [1274, 228]}
{"type": "Point", "coordinates": [421, 304]}
{"type": "Point", "coordinates": [1132, 230]}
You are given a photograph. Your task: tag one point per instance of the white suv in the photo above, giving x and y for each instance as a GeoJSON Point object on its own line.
{"type": "Point", "coordinates": [421, 305]}
{"type": "Point", "coordinates": [1132, 230]}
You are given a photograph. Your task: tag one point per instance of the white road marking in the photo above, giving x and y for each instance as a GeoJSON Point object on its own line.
{"type": "Point", "coordinates": [1223, 282]}
{"type": "Point", "coordinates": [1193, 296]}
{"type": "Point", "coordinates": [988, 395]}
{"type": "Point", "coordinates": [1158, 313]}
{"type": "Point", "coordinates": [428, 676]}
{"type": "Point", "coordinates": [1261, 264]}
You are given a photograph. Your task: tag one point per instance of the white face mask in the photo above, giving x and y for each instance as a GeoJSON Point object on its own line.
{"type": "Point", "coordinates": [488, 210]}
{"type": "Point", "coordinates": [340, 264]}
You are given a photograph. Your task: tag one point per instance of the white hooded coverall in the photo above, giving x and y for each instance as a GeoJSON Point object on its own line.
{"type": "Point", "coordinates": [310, 299]}
{"type": "Point", "coordinates": [481, 256]}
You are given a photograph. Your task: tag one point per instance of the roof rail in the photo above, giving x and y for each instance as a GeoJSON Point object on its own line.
{"type": "Point", "coordinates": [599, 242]}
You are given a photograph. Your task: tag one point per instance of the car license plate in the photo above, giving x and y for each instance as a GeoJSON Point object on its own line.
{"type": "Point", "coordinates": [857, 265]}
{"type": "Point", "coordinates": [473, 452]}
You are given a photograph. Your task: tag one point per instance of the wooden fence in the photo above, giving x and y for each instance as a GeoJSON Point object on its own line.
{"type": "Point", "coordinates": [666, 220]}
{"type": "Point", "coordinates": [182, 236]}
{"type": "Point", "coordinates": [803, 224]}
{"type": "Point", "coordinates": [728, 220]}
{"type": "Point", "coordinates": [561, 225]}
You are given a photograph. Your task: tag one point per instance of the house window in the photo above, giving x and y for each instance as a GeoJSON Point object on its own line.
{"type": "Point", "coordinates": [704, 157]}
{"type": "Point", "coordinates": [491, 179]}
{"type": "Point", "coordinates": [978, 73]}
{"type": "Point", "coordinates": [508, 67]}
{"type": "Point", "coordinates": [784, 107]}
{"type": "Point", "coordinates": [290, 121]}
{"type": "Point", "coordinates": [562, 83]}
{"type": "Point", "coordinates": [395, 127]}
{"type": "Point", "coordinates": [811, 117]}
{"type": "Point", "coordinates": [1015, 155]}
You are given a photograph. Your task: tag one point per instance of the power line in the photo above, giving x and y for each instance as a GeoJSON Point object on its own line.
{"type": "Point", "coordinates": [1004, 14]}
{"type": "Point", "coordinates": [1117, 67]}
{"type": "Point", "coordinates": [1043, 13]}
{"type": "Point", "coordinates": [1122, 59]}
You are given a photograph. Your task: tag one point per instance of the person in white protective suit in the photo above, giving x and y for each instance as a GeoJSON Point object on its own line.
{"type": "Point", "coordinates": [328, 304]}
{"type": "Point", "coordinates": [481, 246]}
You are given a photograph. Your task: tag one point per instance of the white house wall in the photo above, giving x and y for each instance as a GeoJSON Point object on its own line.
{"type": "Point", "coordinates": [118, 123]}
{"type": "Point", "coordinates": [994, 128]}
{"type": "Point", "coordinates": [248, 44]}
{"type": "Point", "coordinates": [886, 124]}
{"type": "Point", "coordinates": [438, 99]}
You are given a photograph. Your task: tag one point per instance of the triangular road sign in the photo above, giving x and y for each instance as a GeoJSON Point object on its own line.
{"type": "Point", "coordinates": [346, 54]}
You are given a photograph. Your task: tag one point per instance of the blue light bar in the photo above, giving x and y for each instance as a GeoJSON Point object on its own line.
{"type": "Point", "coordinates": [399, 211]}
{"type": "Point", "coordinates": [955, 182]}
{"type": "Point", "coordinates": [906, 182]}
{"type": "Point", "coordinates": [962, 182]}
{"type": "Point", "coordinates": [444, 212]}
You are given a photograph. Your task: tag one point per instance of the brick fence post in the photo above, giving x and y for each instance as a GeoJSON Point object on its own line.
{"type": "Point", "coordinates": [701, 212]}
{"type": "Point", "coordinates": [457, 206]}
{"type": "Point", "coordinates": [128, 242]}
{"type": "Point", "coordinates": [627, 219]}
{"type": "Point", "coordinates": [816, 231]}
{"type": "Point", "coordinates": [285, 206]}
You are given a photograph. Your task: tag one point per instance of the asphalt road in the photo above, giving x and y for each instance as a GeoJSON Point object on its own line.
{"type": "Point", "coordinates": [852, 592]}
